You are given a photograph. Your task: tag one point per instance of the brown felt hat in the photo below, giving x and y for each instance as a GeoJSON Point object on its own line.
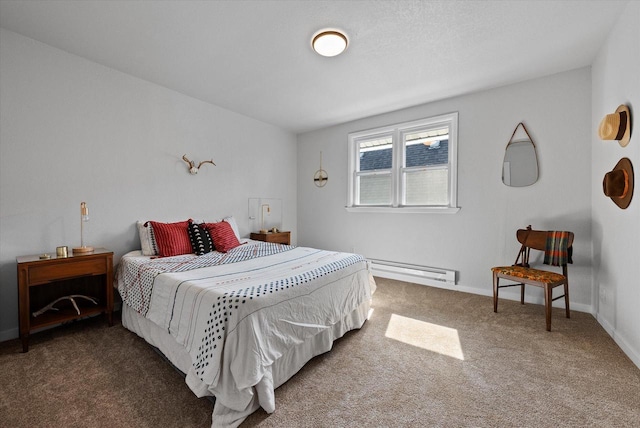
{"type": "Point", "coordinates": [616, 126]}
{"type": "Point", "coordinates": [618, 183]}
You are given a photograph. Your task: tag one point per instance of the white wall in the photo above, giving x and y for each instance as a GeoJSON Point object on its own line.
{"type": "Point", "coordinates": [72, 130]}
{"type": "Point", "coordinates": [616, 232]}
{"type": "Point", "coordinates": [557, 113]}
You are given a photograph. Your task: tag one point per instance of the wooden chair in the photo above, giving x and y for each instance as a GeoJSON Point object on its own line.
{"type": "Point", "coordinates": [558, 248]}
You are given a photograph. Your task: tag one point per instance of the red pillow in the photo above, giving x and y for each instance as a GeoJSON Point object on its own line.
{"type": "Point", "coordinates": [172, 238]}
{"type": "Point", "coordinates": [224, 239]}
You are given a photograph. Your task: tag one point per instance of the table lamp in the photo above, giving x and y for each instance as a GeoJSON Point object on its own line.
{"type": "Point", "coordinates": [84, 217]}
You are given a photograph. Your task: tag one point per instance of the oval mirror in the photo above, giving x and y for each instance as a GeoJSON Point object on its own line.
{"type": "Point", "coordinates": [520, 166]}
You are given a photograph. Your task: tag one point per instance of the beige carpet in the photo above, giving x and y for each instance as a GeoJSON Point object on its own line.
{"type": "Point", "coordinates": [426, 357]}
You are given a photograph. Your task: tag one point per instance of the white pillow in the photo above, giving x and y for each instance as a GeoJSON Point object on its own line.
{"type": "Point", "coordinates": [233, 224]}
{"type": "Point", "coordinates": [147, 239]}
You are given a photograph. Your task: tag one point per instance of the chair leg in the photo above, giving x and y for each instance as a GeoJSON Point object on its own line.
{"type": "Point", "coordinates": [495, 292]}
{"type": "Point", "coordinates": [548, 301]}
{"type": "Point", "coordinates": [566, 298]}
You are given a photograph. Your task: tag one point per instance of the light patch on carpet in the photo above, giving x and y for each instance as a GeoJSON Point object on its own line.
{"type": "Point", "coordinates": [432, 337]}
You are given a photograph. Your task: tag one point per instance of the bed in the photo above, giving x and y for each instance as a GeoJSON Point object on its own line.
{"type": "Point", "coordinates": [241, 323]}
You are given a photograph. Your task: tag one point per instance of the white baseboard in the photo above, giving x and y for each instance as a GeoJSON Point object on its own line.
{"type": "Point", "coordinates": [413, 279]}
{"type": "Point", "coordinates": [633, 354]}
{"type": "Point", "coordinates": [418, 272]}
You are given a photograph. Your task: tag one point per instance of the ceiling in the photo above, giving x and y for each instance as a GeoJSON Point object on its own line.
{"type": "Point", "coordinates": [254, 57]}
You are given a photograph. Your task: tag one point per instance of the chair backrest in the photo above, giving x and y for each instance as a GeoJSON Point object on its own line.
{"type": "Point", "coordinates": [536, 239]}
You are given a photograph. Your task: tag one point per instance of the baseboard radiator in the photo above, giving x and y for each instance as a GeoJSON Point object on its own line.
{"type": "Point", "coordinates": [394, 270]}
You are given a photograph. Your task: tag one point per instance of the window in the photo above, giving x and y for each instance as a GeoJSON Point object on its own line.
{"type": "Point", "coordinates": [408, 167]}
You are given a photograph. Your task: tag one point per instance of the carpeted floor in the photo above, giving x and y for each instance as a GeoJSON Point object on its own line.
{"type": "Point", "coordinates": [426, 357]}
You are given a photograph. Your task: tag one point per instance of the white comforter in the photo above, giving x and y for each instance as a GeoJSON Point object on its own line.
{"type": "Point", "coordinates": [237, 317]}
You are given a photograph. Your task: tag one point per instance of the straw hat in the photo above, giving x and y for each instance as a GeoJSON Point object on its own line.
{"type": "Point", "coordinates": [616, 126]}
{"type": "Point", "coordinates": [618, 183]}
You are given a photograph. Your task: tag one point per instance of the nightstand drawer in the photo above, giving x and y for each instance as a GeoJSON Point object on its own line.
{"type": "Point", "coordinates": [279, 238]}
{"type": "Point", "coordinates": [75, 268]}
{"type": "Point", "coordinates": [276, 237]}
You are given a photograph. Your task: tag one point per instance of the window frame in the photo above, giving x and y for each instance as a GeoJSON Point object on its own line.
{"type": "Point", "coordinates": [398, 168]}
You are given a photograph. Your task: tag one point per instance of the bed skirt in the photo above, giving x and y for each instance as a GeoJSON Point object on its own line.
{"type": "Point", "coordinates": [263, 393]}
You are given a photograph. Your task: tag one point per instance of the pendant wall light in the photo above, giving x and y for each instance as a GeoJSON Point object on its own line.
{"type": "Point", "coordinates": [329, 42]}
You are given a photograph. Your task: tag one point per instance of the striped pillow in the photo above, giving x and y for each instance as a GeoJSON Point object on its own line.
{"type": "Point", "coordinates": [148, 244]}
{"type": "Point", "coordinates": [172, 239]}
{"type": "Point", "coordinates": [224, 239]}
{"type": "Point", "coordinates": [200, 238]}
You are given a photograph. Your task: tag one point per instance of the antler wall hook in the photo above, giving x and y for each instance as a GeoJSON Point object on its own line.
{"type": "Point", "coordinates": [193, 169]}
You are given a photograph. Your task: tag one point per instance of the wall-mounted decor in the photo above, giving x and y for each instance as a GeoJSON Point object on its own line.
{"type": "Point", "coordinates": [618, 183]}
{"type": "Point", "coordinates": [520, 165]}
{"type": "Point", "coordinates": [193, 169]}
{"type": "Point", "coordinates": [320, 177]}
{"type": "Point", "coordinates": [617, 126]}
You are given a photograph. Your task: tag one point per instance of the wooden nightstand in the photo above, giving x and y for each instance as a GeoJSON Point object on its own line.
{"type": "Point", "coordinates": [40, 282]}
{"type": "Point", "coordinates": [277, 237]}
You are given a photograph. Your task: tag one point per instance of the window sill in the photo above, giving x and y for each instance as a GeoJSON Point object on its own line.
{"type": "Point", "coordinates": [404, 210]}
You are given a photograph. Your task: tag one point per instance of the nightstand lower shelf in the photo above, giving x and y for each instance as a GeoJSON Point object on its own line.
{"type": "Point", "coordinates": [63, 315]}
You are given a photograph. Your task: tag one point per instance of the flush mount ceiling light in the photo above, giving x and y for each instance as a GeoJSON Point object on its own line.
{"type": "Point", "coordinates": [329, 42]}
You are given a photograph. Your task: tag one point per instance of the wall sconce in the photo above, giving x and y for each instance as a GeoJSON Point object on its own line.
{"type": "Point", "coordinates": [320, 177]}
{"type": "Point", "coordinates": [262, 207]}
{"type": "Point", "coordinates": [84, 217]}
{"type": "Point", "coordinates": [193, 169]}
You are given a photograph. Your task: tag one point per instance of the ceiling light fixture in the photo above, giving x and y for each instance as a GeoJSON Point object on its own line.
{"type": "Point", "coordinates": [329, 42]}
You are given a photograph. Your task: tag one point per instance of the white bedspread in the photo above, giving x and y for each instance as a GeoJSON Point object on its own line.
{"type": "Point", "coordinates": [239, 316]}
